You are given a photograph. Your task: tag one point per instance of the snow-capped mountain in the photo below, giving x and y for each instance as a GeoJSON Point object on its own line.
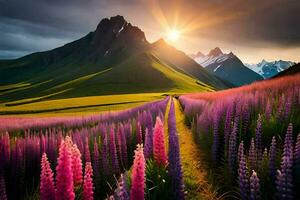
{"type": "Point", "coordinates": [226, 66]}
{"type": "Point", "coordinates": [268, 69]}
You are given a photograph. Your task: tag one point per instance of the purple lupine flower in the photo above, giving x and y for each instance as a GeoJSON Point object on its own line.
{"type": "Point", "coordinates": [87, 154]}
{"type": "Point", "coordinates": [113, 151]}
{"type": "Point", "coordinates": [252, 155]}
{"type": "Point", "coordinates": [258, 139]}
{"type": "Point", "coordinates": [287, 107]}
{"type": "Point", "coordinates": [148, 149]}
{"type": "Point", "coordinates": [232, 151]}
{"type": "Point", "coordinates": [272, 159]}
{"type": "Point", "coordinates": [242, 173]}
{"type": "Point", "coordinates": [246, 118]}
{"type": "Point", "coordinates": [139, 135]}
{"type": "Point", "coordinates": [215, 145]}
{"type": "Point", "coordinates": [2, 189]}
{"type": "Point", "coordinates": [227, 125]}
{"type": "Point", "coordinates": [96, 160]}
{"type": "Point", "coordinates": [254, 186]}
{"type": "Point", "coordinates": [280, 106]}
{"type": "Point", "coordinates": [122, 190]}
{"type": "Point", "coordinates": [124, 147]}
{"type": "Point", "coordinates": [284, 182]}
{"type": "Point", "coordinates": [268, 111]}
{"type": "Point", "coordinates": [297, 150]}
{"type": "Point", "coordinates": [175, 168]}
{"type": "Point", "coordinates": [104, 153]}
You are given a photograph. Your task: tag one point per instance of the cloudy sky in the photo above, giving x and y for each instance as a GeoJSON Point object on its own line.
{"type": "Point", "coordinates": [252, 29]}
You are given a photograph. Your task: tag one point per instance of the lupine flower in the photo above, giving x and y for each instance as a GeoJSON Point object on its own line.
{"type": "Point", "coordinates": [3, 189]}
{"type": "Point", "coordinates": [284, 180]}
{"type": "Point", "coordinates": [104, 153]}
{"type": "Point", "coordinates": [215, 145]}
{"type": "Point", "coordinates": [122, 190]}
{"type": "Point", "coordinates": [138, 175]}
{"type": "Point", "coordinates": [47, 190]}
{"type": "Point", "coordinates": [297, 150]}
{"type": "Point", "coordinates": [64, 175]}
{"type": "Point", "coordinates": [139, 135]}
{"type": "Point", "coordinates": [258, 139]}
{"type": "Point", "coordinates": [252, 155]}
{"type": "Point", "coordinates": [227, 125]}
{"type": "Point", "coordinates": [272, 158]}
{"type": "Point", "coordinates": [76, 165]}
{"type": "Point", "coordinates": [175, 169]}
{"type": "Point", "coordinates": [232, 151]}
{"type": "Point", "coordinates": [159, 143]}
{"type": "Point", "coordinates": [96, 160]}
{"type": "Point", "coordinates": [113, 151]}
{"type": "Point", "coordinates": [242, 173]}
{"type": "Point", "coordinates": [124, 147]}
{"type": "Point", "coordinates": [87, 154]}
{"type": "Point", "coordinates": [148, 148]}
{"type": "Point", "coordinates": [268, 111]}
{"type": "Point", "coordinates": [88, 188]}
{"type": "Point", "coordinates": [254, 186]}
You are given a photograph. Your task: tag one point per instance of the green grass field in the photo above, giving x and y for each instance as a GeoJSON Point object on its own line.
{"type": "Point", "coordinates": [78, 106]}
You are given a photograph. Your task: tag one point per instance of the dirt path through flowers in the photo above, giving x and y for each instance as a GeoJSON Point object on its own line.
{"type": "Point", "coordinates": [194, 172]}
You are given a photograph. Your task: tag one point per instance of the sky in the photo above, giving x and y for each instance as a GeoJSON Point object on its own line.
{"type": "Point", "coordinates": [251, 29]}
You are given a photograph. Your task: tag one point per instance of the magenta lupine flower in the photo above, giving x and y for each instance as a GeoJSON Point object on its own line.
{"type": "Point", "coordinates": [159, 143]}
{"type": "Point", "coordinates": [174, 167]}
{"type": "Point", "coordinates": [64, 174]}
{"type": "Point", "coordinates": [272, 159]}
{"type": "Point", "coordinates": [252, 155]}
{"type": "Point", "coordinates": [242, 173]}
{"type": "Point", "coordinates": [113, 151]}
{"type": "Point", "coordinates": [232, 149]}
{"type": "Point", "coordinates": [254, 186]}
{"type": "Point", "coordinates": [3, 195]}
{"type": "Point", "coordinates": [138, 175]}
{"type": "Point", "coordinates": [284, 180]}
{"type": "Point", "coordinates": [87, 153]}
{"type": "Point", "coordinates": [76, 165]}
{"type": "Point", "coordinates": [88, 188]}
{"type": "Point", "coordinates": [119, 147]}
{"type": "Point", "coordinates": [47, 189]}
{"type": "Point", "coordinates": [258, 139]}
{"type": "Point", "coordinates": [139, 135]}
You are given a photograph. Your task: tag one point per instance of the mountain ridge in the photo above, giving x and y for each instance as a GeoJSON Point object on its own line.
{"type": "Point", "coordinates": [114, 45]}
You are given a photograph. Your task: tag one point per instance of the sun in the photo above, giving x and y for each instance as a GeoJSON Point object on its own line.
{"type": "Point", "coordinates": [173, 35]}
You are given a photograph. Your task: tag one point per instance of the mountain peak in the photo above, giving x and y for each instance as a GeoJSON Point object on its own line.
{"type": "Point", "coordinates": [116, 22]}
{"type": "Point", "coordinates": [215, 52]}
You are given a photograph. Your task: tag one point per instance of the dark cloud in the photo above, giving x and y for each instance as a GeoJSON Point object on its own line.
{"type": "Point", "coordinates": [34, 25]}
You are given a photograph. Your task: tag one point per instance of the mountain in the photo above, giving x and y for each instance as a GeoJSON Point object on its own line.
{"type": "Point", "coordinates": [227, 66]}
{"type": "Point", "coordinates": [116, 58]}
{"type": "Point", "coordinates": [295, 69]}
{"type": "Point", "coordinates": [268, 69]}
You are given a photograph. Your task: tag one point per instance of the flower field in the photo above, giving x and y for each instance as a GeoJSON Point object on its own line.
{"type": "Point", "coordinates": [251, 137]}
{"type": "Point", "coordinates": [120, 155]}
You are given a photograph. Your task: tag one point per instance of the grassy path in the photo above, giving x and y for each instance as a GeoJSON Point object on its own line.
{"type": "Point", "coordinates": [194, 173]}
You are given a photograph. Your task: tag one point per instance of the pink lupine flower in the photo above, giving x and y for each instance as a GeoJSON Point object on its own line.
{"type": "Point", "coordinates": [76, 165]}
{"type": "Point", "coordinates": [64, 174]}
{"type": "Point", "coordinates": [138, 175]}
{"type": "Point", "coordinates": [87, 154]}
{"type": "Point", "coordinates": [159, 143]}
{"type": "Point", "coordinates": [47, 190]}
{"type": "Point", "coordinates": [88, 182]}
